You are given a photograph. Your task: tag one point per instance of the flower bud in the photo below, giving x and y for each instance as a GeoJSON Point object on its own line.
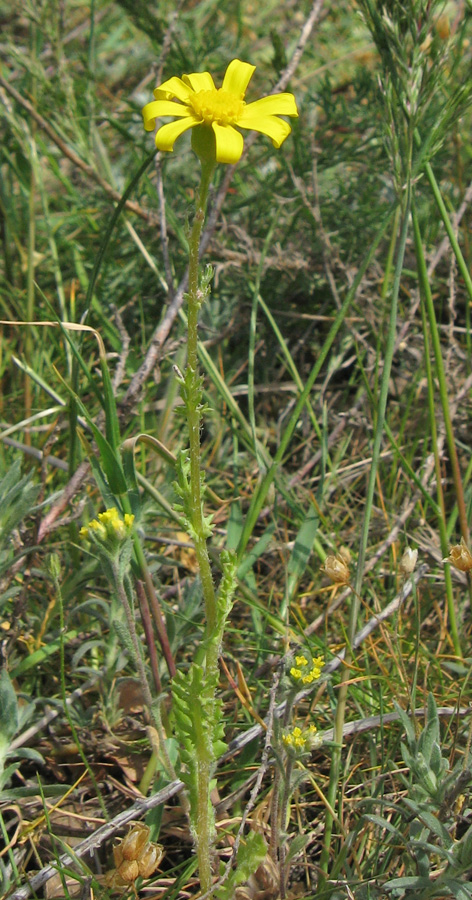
{"type": "Point", "coordinates": [408, 561]}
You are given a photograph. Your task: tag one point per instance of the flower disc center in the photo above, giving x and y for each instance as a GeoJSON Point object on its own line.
{"type": "Point", "coordinates": [217, 106]}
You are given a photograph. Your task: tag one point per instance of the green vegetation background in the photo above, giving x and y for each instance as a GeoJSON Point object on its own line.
{"type": "Point", "coordinates": [286, 246]}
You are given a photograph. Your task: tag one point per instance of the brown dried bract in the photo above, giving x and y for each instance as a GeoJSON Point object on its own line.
{"type": "Point", "coordinates": [336, 569]}
{"type": "Point", "coordinates": [135, 856]}
{"type": "Point", "coordinates": [460, 557]}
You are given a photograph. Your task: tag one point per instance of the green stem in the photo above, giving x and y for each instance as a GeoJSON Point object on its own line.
{"type": "Point", "coordinates": [194, 409]}
{"type": "Point", "coordinates": [427, 308]}
{"type": "Point", "coordinates": [129, 614]}
{"type": "Point", "coordinates": [284, 807]}
{"type": "Point", "coordinates": [153, 709]}
{"type": "Point", "coordinates": [428, 300]}
{"type": "Point", "coordinates": [54, 567]}
{"type": "Point", "coordinates": [204, 818]}
{"type": "Point", "coordinates": [355, 603]}
{"type": "Point", "coordinates": [461, 263]}
{"type": "Point", "coordinates": [193, 401]}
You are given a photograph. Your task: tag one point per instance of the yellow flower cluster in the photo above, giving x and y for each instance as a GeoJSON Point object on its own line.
{"type": "Point", "coordinates": [304, 672]}
{"type": "Point", "coordinates": [108, 525]}
{"type": "Point", "coordinates": [298, 740]}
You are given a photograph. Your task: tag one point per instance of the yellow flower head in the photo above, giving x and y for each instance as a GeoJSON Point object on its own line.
{"type": "Point", "coordinates": [298, 742]}
{"type": "Point", "coordinates": [215, 111]}
{"type": "Point", "coordinates": [306, 672]}
{"type": "Point", "coordinates": [108, 526]}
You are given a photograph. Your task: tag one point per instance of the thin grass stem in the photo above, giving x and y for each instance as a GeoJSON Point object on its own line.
{"type": "Point", "coordinates": [355, 599]}
{"type": "Point", "coordinates": [430, 328]}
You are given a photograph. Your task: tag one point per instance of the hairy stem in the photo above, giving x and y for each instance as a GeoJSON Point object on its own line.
{"type": "Point", "coordinates": [203, 750]}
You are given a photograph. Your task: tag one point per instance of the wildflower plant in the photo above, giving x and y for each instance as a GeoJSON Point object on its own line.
{"type": "Point", "coordinates": [214, 116]}
{"type": "Point", "coordinates": [57, 174]}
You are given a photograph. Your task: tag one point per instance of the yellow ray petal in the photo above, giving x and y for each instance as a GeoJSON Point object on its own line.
{"type": "Point", "coordinates": [200, 81]}
{"type": "Point", "coordinates": [174, 87]}
{"type": "Point", "coordinates": [229, 143]}
{"type": "Point", "coordinates": [158, 108]}
{"type": "Point", "coordinates": [273, 127]}
{"type": "Point", "coordinates": [275, 105]}
{"type": "Point", "coordinates": [237, 77]}
{"type": "Point", "coordinates": [168, 134]}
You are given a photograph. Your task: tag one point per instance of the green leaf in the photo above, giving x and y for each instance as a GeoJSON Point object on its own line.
{"type": "Point", "coordinates": [297, 845]}
{"type": "Point", "coordinates": [407, 724]}
{"type": "Point", "coordinates": [302, 549]}
{"type": "Point", "coordinates": [128, 449]}
{"type": "Point", "coordinates": [249, 857]}
{"type": "Point", "coordinates": [430, 736]}
{"type": "Point", "coordinates": [107, 496]}
{"type": "Point", "coordinates": [40, 655]}
{"type": "Point", "coordinates": [110, 459]}
{"type": "Point", "coordinates": [8, 710]}
{"type": "Point", "coordinates": [256, 551]}
{"type": "Point", "coordinates": [414, 882]}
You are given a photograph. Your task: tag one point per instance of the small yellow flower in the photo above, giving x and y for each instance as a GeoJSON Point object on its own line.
{"type": "Point", "coordinates": [298, 741]}
{"type": "Point", "coordinates": [108, 526]}
{"type": "Point", "coordinates": [304, 672]}
{"type": "Point", "coordinates": [301, 660]}
{"type": "Point", "coordinates": [296, 673]}
{"type": "Point", "coordinates": [460, 557]}
{"type": "Point", "coordinates": [110, 516]}
{"type": "Point", "coordinates": [216, 111]}
{"type": "Point", "coordinates": [98, 529]}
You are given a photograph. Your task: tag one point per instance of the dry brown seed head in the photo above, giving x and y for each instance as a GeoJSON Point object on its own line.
{"type": "Point", "coordinates": [134, 842]}
{"type": "Point", "coordinates": [344, 554]}
{"type": "Point", "coordinates": [336, 569]}
{"type": "Point", "coordinates": [149, 859]}
{"type": "Point", "coordinates": [118, 855]}
{"type": "Point", "coordinates": [129, 870]}
{"type": "Point", "coordinates": [460, 557]}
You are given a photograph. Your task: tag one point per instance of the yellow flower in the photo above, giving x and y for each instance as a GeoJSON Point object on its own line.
{"type": "Point", "coordinates": [296, 673]}
{"type": "Point", "coordinates": [298, 741]}
{"type": "Point", "coordinates": [217, 111]}
{"type": "Point", "coordinates": [98, 529]}
{"type": "Point", "coordinates": [301, 660]}
{"type": "Point", "coordinates": [305, 672]}
{"type": "Point", "coordinates": [108, 526]}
